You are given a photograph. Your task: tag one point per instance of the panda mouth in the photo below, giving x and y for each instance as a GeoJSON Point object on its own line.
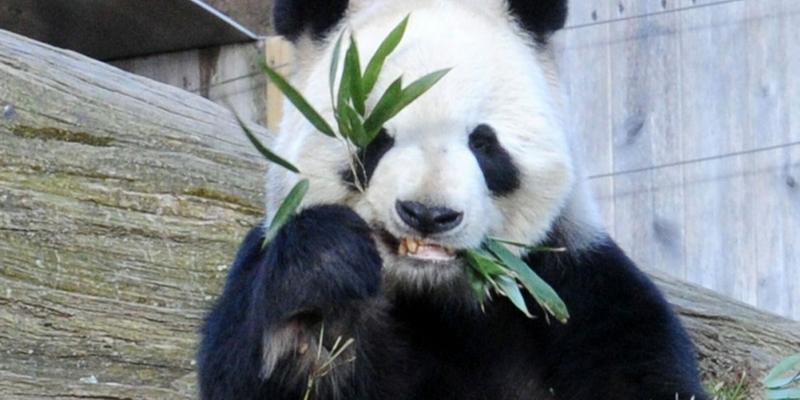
{"type": "Point", "coordinates": [424, 250]}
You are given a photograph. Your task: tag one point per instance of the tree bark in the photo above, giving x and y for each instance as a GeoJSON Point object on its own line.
{"type": "Point", "coordinates": [122, 201]}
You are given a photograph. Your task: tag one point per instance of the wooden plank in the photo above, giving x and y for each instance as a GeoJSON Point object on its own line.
{"type": "Point", "coordinates": [228, 75]}
{"type": "Point", "coordinates": [122, 200]}
{"type": "Point", "coordinates": [790, 10]}
{"type": "Point", "coordinates": [714, 109]}
{"type": "Point", "coordinates": [730, 104]}
{"type": "Point", "coordinates": [645, 115]}
{"type": "Point", "coordinates": [768, 122]}
{"type": "Point", "coordinates": [279, 56]}
{"type": "Point", "coordinates": [587, 92]}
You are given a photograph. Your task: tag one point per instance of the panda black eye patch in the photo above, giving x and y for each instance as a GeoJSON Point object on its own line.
{"type": "Point", "coordinates": [499, 171]}
{"type": "Point", "coordinates": [370, 157]}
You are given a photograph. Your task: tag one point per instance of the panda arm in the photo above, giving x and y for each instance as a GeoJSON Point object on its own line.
{"type": "Point", "coordinates": [623, 341]}
{"type": "Point", "coordinates": [259, 341]}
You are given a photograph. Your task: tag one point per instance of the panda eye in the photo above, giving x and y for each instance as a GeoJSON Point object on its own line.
{"type": "Point", "coordinates": [483, 139]}
{"type": "Point", "coordinates": [501, 175]}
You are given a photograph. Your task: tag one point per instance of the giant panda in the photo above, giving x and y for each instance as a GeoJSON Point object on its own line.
{"type": "Point", "coordinates": [484, 153]}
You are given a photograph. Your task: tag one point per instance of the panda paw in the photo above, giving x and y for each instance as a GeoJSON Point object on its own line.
{"type": "Point", "coordinates": [323, 259]}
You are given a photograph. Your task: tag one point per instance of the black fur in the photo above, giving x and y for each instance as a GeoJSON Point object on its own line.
{"type": "Point", "coordinates": [369, 157]}
{"type": "Point", "coordinates": [499, 171]}
{"type": "Point", "coordinates": [320, 263]}
{"type": "Point", "coordinates": [316, 17]}
{"type": "Point", "coordinates": [623, 342]}
{"type": "Point", "coordinates": [540, 17]}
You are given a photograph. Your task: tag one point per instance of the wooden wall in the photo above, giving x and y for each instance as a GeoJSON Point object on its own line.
{"type": "Point", "coordinates": [228, 75]}
{"type": "Point", "coordinates": [689, 117]}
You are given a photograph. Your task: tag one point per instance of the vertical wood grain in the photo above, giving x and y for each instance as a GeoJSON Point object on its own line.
{"type": "Point", "coordinates": [694, 80]}
{"type": "Point", "coordinates": [768, 123]}
{"type": "Point", "coordinates": [645, 113]}
{"type": "Point", "coordinates": [278, 56]}
{"type": "Point", "coordinates": [583, 62]}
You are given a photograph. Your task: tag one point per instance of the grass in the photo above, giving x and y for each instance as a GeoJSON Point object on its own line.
{"type": "Point", "coordinates": [731, 391]}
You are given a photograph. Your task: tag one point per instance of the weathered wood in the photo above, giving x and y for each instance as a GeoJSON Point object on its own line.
{"type": "Point", "coordinates": [278, 57]}
{"type": "Point", "coordinates": [227, 75]}
{"type": "Point", "coordinates": [703, 79]}
{"type": "Point", "coordinates": [732, 338]}
{"type": "Point", "coordinates": [121, 203]}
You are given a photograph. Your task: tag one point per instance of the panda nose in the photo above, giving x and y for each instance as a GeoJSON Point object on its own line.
{"type": "Point", "coordinates": [428, 220]}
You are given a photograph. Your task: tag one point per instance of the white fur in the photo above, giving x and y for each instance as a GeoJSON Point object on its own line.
{"type": "Point", "coordinates": [499, 78]}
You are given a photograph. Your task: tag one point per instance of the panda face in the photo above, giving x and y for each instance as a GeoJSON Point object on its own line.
{"type": "Point", "coordinates": [481, 154]}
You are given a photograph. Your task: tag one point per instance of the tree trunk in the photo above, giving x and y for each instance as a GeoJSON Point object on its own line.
{"type": "Point", "coordinates": [121, 203]}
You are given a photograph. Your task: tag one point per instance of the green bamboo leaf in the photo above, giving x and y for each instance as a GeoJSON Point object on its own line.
{"type": "Point", "coordinates": [286, 210]}
{"type": "Point", "coordinates": [386, 48]}
{"type": "Point", "coordinates": [357, 134]}
{"type": "Point", "coordinates": [298, 101]}
{"type": "Point", "coordinates": [383, 109]}
{"type": "Point", "coordinates": [784, 394]}
{"type": "Point", "coordinates": [343, 96]}
{"type": "Point", "coordinates": [419, 87]}
{"type": "Point", "coordinates": [478, 284]}
{"type": "Point", "coordinates": [508, 287]}
{"type": "Point", "coordinates": [485, 263]}
{"type": "Point", "coordinates": [267, 153]}
{"type": "Point", "coordinates": [535, 249]}
{"type": "Point", "coordinates": [352, 69]}
{"type": "Point", "coordinates": [335, 65]}
{"type": "Point", "coordinates": [776, 377]}
{"type": "Point", "coordinates": [541, 291]}
{"type": "Point", "coordinates": [406, 97]}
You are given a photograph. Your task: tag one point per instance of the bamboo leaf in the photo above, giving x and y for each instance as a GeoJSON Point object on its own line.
{"type": "Point", "coordinates": [478, 283]}
{"type": "Point", "coordinates": [298, 101]}
{"type": "Point", "coordinates": [406, 97]}
{"type": "Point", "coordinates": [776, 377]}
{"type": "Point", "coordinates": [536, 249]}
{"type": "Point", "coordinates": [784, 394]}
{"type": "Point", "coordinates": [508, 287]}
{"type": "Point", "coordinates": [286, 210]}
{"type": "Point", "coordinates": [357, 134]}
{"type": "Point", "coordinates": [335, 65]}
{"type": "Point", "coordinates": [485, 263]}
{"type": "Point", "coordinates": [352, 69]}
{"type": "Point", "coordinates": [343, 96]}
{"type": "Point", "coordinates": [419, 87]}
{"type": "Point", "coordinates": [386, 48]}
{"type": "Point", "coordinates": [541, 291]}
{"type": "Point", "coordinates": [383, 109]}
{"type": "Point", "coordinates": [267, 153]}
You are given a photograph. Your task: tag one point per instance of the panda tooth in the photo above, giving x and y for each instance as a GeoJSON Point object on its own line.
{"type": "Point", "coordinates": [413, 245]}
{"type": "Point", "coordinates": [403, 248]}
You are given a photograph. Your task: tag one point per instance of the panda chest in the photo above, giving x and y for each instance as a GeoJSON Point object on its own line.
{"type": "Point", "coordinates": [446, 359]}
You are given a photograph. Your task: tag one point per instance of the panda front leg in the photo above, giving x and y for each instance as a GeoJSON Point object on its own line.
{"type": "Point", "coordinates": [319, 278]}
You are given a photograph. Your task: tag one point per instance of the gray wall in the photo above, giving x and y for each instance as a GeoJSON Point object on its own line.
{"type": "Point", "coordinates": [690, 117]}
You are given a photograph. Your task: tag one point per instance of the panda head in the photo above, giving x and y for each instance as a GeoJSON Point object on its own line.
{"type": "Point", "coordinates": [483, 153]}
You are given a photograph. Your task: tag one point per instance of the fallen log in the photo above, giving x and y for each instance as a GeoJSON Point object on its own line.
{"type": "Point", "coordinates": [121, 203]}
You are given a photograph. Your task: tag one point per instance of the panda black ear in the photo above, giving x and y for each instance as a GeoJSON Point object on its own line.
{"type": "Point", "coordinates": [294, 18]}
{"type": "Point", "coordinates": [540, 17]}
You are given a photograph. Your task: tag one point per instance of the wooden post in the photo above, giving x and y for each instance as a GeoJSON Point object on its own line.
{"type": "Point", "coordinates": [279, 57]}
